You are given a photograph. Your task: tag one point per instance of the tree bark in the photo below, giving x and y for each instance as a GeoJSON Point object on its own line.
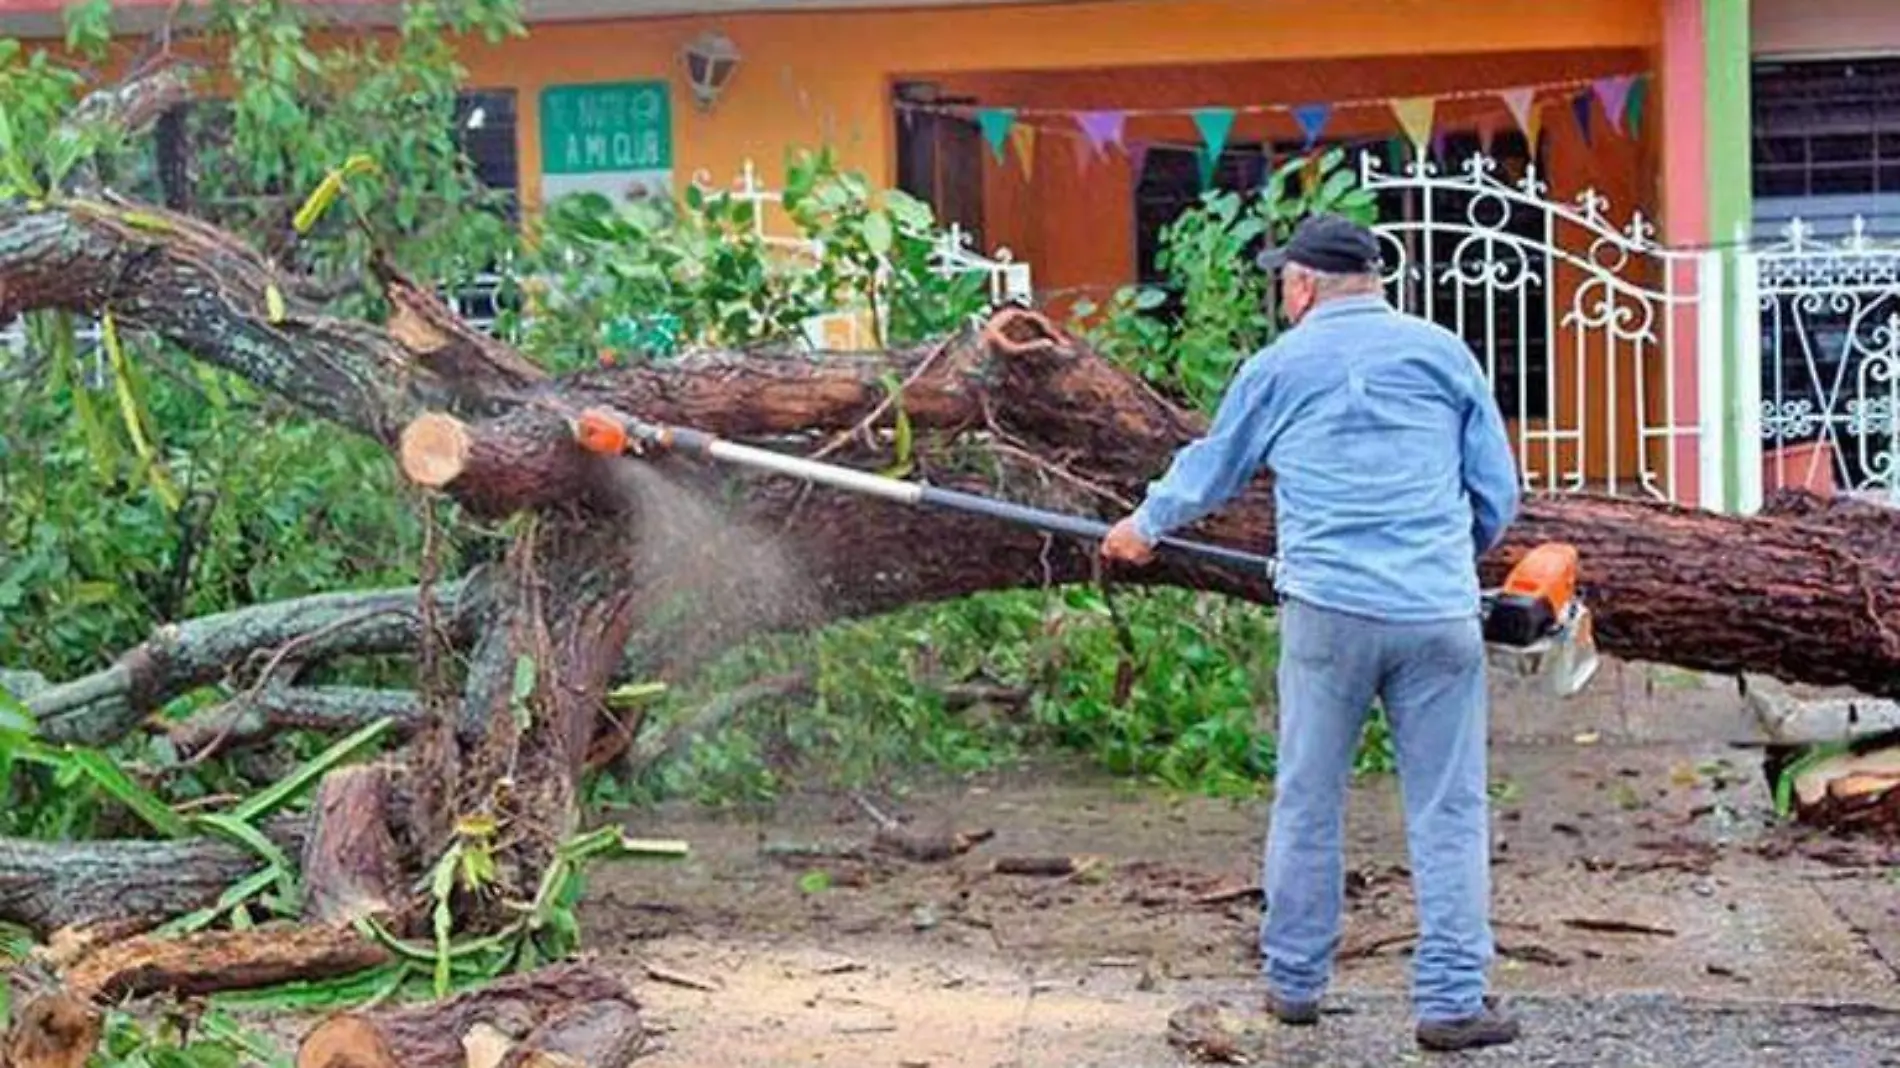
{"type": "Point", "coordinates": [208, 962]}
{"type": "Point", "coordinates": [350, 866]}
{"type": "Point", "coordinates": [49, 886]}
{"type": "Point", "coordinates": [107, 705]}
{"type": "Point", "coordinates": [1805, 597]}
{"type": "Point", "coordinates": [570, 1010]}
{"type": "Point", "coordinates": [247, 722]}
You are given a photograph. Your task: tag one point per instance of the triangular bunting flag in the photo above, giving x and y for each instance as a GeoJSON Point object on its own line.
{"type": "Point", "coordinates": [1137, 159]}
{"type": "Point", "coordinates": [1580, 105]}
{"type": "Point", "coordinates": [1438, 143]}
{"type": "Point", "coordinates": [1487, 133]}
{"type": "Point", "coordinates": [1415, 118]}
{"type": "Point", "coordinates": [1523, 105]}
{"type": "Point", "coordinates": [995, 124]}
{"type": "Point", "coordinates": [1024, 138]}
{"type": "Point", "coordinates": [1638, 92]}
{"type": "Point", "coordinates": [1395, 154]}
{"type": "Point", "coordinates": [1215, 124]}
{"type": "Point", "coordinates": [1312, 119]}
{"type": "Point", "coordinates": [1101, 128]}
{"type": "Point", "coordinates": [1615, 94]}
{"type": "Point", "coordinates": [1309, 175]}
{"type": "Point", "coordinates": [1084, 154]}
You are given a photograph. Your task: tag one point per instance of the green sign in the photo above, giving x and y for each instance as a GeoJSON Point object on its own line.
{"type": "Point", "coordinates": [614, 138]}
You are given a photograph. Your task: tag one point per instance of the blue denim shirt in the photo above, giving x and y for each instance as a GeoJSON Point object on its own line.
{"type": "Point", "coordinates": [1392, 471]}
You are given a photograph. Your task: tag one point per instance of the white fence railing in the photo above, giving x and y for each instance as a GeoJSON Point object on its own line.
{"type": "Point", "coordinates": [1818, 332]}
{"type": "Point", "coordinates": [1585, 327]}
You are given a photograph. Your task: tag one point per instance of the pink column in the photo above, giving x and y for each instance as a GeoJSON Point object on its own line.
{"type": "Point", "coordinates": [1680, 94]}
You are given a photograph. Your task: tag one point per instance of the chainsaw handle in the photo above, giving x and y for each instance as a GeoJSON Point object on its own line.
{"type": "Point", "coordinates": [1081, 527]}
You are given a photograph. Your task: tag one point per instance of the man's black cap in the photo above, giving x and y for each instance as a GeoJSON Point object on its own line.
{"type": "Point", "coordinates": [1327, 242]}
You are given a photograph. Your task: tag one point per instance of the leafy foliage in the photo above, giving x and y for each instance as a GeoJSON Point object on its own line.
{"type": "Point", "coordinates": [139, 486]}
{"type": "Point", "coordinates": [1207, 255]}
{"type": "Point", "coordinates": [644, 279]}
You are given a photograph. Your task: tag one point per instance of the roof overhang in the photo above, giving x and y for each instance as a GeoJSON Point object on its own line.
{"type": "Point", "coordinates": [42, 18]}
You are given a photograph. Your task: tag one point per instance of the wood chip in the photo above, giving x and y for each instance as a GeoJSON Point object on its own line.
{"type": "Point", "coordinates": [486, 1045]}
{"type": "Point", "coordinates": [1586, 923]}
{"type": "Point", "coordinates": [1220, 895]}
{"type": "Point", "coordinates": [661, 974]}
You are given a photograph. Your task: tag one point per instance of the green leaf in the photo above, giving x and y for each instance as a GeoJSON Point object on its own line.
{"type": "Point", "coordinates": [624, 697]}
{"type": "Point", "coordinates": [15, 716]}
{"type": "Point", "coordinates": [909, 212]}
{"type": "Point", "coordinates": [523, 690]}
{"type": "Point", "coordinates": [292, 786]}
{"type": "Point", "coordinates": [110, 778]}
{"type": "Point", "coordinates": [814, 882]}
{"type": "Point", "coordinates": [877, 233]}
{"type": "Point", "coordinates": [234, 895]}
{"type": "Point", "coordinates": [242, 833]}
{"type": "Point", "coordinates": [132, 411]}
{"type": "Point", "coordinates": [442, 888]}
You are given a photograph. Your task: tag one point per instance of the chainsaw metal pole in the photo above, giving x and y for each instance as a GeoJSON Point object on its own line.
{"type": "Point", "coordinates": [908, 493]}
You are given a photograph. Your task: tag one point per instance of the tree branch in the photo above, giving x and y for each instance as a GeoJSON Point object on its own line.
{"type": "Point", "coordinates": [108, 704]}
{"type": "Point", "coordinates": [243, 723]}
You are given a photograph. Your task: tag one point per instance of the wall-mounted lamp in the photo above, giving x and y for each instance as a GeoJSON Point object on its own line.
{"type": "Point", "coordinates": [711, 60]}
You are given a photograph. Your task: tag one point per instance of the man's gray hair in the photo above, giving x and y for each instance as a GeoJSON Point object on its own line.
{"type": "Point", "coordinates": [1327, 284]}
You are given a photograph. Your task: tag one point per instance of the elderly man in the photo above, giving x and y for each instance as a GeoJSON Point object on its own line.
{"type": "Point", "coordinates": [1392, 475]}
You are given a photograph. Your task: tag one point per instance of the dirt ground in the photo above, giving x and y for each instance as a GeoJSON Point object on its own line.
{"type": "Point", "coordinates": [1647, 913]}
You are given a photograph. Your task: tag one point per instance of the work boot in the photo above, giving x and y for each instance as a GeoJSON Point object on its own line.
{"type": "Point", "coordinates": [1292, 1013]}
{"type": "Point", "coordinates": [1488, 1028]}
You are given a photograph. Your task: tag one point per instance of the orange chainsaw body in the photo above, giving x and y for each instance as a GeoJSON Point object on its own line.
{"type": "Point", "coordinates": [1535, 597]}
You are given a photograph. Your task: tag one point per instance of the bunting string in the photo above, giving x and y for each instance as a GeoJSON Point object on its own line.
{"type": "Point", "coordinates": [1534, 89]}
{"type": "Point", "coordinates": [1093, 132]}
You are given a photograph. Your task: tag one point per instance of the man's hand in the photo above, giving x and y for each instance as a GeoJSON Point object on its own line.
{"type": "Point", "coordinates": [1125, 543]}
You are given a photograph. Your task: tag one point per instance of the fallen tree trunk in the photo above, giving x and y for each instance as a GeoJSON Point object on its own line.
{"type": "Point", "coordinates": [1780, 595]}
{"type": "Point", "coordinates": [570, 1011]}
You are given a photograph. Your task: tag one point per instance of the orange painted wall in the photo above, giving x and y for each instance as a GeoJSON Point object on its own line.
{"type": "Point", "coordinates": [807, 79]}
{"type": "Point", "coordinates": [1076, 224]}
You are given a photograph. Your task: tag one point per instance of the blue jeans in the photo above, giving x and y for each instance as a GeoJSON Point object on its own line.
{"type": "Point", "coordinates": [1430, 678]}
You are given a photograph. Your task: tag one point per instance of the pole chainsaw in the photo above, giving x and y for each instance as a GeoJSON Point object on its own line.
{"type": "Point", "coordinates": [1535, 625]}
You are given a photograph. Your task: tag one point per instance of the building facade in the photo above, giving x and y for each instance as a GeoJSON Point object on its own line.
{"type": "Point", "coordinates": [1655, 253]}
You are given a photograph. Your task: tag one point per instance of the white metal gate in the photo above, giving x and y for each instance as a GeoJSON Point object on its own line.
{"type": "Point", "coordinates": [1587, 330]}
{"type": "Point", "coordinates": [1819, 364]}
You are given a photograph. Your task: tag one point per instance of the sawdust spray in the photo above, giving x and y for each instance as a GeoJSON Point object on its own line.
{"type": "Point", "coordinates": [712, 579]}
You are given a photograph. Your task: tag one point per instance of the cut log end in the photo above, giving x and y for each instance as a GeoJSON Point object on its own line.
{"type": "Point", "coordinates": [434, 449]}
{"type": "Point", "coordinates": [345, 1042]}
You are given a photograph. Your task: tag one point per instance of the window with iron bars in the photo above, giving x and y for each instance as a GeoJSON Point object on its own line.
{"type": "Point", "coordinates": [1826, 143]}
{"type": "Point", "coordinates": [1826, 140]}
